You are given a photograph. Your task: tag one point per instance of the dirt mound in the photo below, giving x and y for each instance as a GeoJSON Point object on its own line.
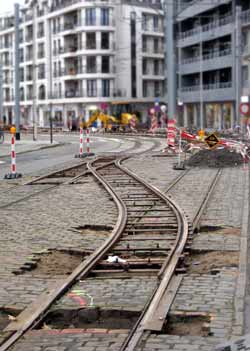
{"type": "Point", "coordinates": [215, 158]}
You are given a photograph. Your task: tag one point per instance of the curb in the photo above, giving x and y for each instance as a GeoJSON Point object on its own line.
{"type": "Point", "coordinates": [240, 294]}
{"type": "Point", "coordinates": [44, 147]}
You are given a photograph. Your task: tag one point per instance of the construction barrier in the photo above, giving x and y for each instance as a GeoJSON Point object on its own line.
{"type": "Point", "coordinates": [154, 121]}
{"type": "Point", "coordinates": [171, 133]}
{"type": "Point", "coordinates": [81, 142]}
{"type": "Point", "coordinates": [88, 140]}
{"type": "Point", "coordinates": [13, 174]}
{"type": "Point", "coordinates": [132, 123]}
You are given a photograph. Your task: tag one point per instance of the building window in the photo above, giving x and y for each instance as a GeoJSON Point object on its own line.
{"type": "Point", "coordinates": [144, 67]}
{"type": "Point", "coordinates": [22, 97]}
{"type": "Point", "coordinates": [157, 91]}
{"type": "Point", "coordinates": [91, 40]}
{"type": "Point", "coordinates": [104, 17]}
{"type": "Point", "coordinates": [156, 45]}
{"type": "Point", "coordinates": [145, 88]}
{"type": "Point", "coordinates": [91, 88]}
{"type": "Point", "coordinates": [144, 22]}
{"type": "Point", "coordinates": [21, 55]}
{"type": "Point", "coordinates": [41, 71]}
{"type": "Point", "coordinates": [105, 40]}
{"type": "Point", "coordinates": [90, 17]}
{"type": "Point", "coordinates": [41, 51]}
{"type": "Point", "coordinates": [40, 32]}
{"type": "Point", "coordinates": [91, 64]}
{"type": "Point", "coordinates": [105, 88]}
{"type": "Point", "coordinates": [144, 44]}
{"type": "Point", "coordinates": [156, 67]}
{"type": "Point", "coordinates": [156, 23]}
{"type": "Point", "coordinates": [105, 64]}
{"type": "Point", "coordinates": [42, 93]}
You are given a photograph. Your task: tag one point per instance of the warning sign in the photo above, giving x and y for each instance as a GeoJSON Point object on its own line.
{"type": "Point", "coordinates": [212, 141]}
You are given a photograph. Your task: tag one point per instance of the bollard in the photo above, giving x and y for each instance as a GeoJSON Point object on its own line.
{"type": "Point", "coordinates": [81, 143]}
{"type": "Point", "coordinates": [88, 140]}
{"type": "Point", "coordinates": [13, 174]}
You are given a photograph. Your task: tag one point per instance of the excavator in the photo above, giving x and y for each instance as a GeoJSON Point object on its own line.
{"type": "Point", "coordinates": [107, 120]}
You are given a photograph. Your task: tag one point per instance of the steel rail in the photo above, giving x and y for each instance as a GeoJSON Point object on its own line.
{"type": "Point", "coordinates": [204, 203]}
{"type": "Point", "coordinates": [51, 174]}
{"type": "Point", "coordinates": [35, 313]}
{"type": "Point", "coordinates": [166, 273]}
{"type": "Point", "coordinates": [168, 268]}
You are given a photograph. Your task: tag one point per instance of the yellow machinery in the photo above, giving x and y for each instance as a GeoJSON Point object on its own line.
{"type": "Point", "coordinates": [107, 119]}
{"type": "Point", "coordinates": [104, 118]}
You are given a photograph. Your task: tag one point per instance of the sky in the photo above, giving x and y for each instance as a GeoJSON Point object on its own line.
{"type": "Point", "coordinates": [7, 5]}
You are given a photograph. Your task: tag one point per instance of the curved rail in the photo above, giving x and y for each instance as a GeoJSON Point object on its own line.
{"type": "Point", "coordinates": [36, 312]}
{"type": "Point", "coordinates": [166, 273]}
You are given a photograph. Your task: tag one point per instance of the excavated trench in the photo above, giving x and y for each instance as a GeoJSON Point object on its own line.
{"type": "Point", "coordinates": [88, 318]}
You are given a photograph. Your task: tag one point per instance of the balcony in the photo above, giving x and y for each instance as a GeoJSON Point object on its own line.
{"type": "Point", "coordinates": [70, 25]}
{"type": "Point", "coordinates": [66, 3]}
{"type": "Point", "coordinates": [214, 29]}
{"type": "Point", "coordinates": [195, 7]}
{"type": "Point", "coordinates": [9, 23]}
{"type": "Point", "coordinates": [215, 92]}
{"type": "Point", "coordinates": [91, 94]}
{"type": "Point", "coordinates": [219, 59]}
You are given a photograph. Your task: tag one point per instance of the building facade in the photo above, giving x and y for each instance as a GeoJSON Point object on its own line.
{"type": "Point", "coordinates": [213, 44]}
{"type": "Point", "coordinates": [76, 56]}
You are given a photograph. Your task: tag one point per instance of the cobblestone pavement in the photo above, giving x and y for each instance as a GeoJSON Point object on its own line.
{"type": "Point", "coordinates": [49, 227]}
{"type": "Point", "coordinates": [46, 221]}
{"type": "Point", "coordinates": [221, 227]}
{"type": "Point", "coordinates": [76, 340]}
{"type": "Point", "coordinates": [129, 293]}
{"type": "Point", "coordinates": [213, 294]}
{"type": "Point", "coordinates": [179, 343]}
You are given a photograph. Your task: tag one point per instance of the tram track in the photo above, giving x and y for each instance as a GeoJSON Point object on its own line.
{"type": "Point", "coordinates": [145, 216]}
{"type": "Point", "coordinates": [138, 258]}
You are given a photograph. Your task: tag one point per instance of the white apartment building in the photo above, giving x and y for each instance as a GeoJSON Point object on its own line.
{"type": "Point", "coordinates": [76, 55]}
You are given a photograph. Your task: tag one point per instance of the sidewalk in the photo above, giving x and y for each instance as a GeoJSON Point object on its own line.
{"type": "Point", "coordinates": [26, 144]}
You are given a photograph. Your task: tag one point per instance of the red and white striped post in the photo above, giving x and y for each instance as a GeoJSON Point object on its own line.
{"type": "Point", "coordinates": [81, 141]}
{"type": "Point", "coordinates": [171, 133]}
{"type": "Point", "coordinates": [13, 173]}
{"type": "Point", "coordinates": [80, 155]}
{"type": "Point", "coordinates": [13, 155]}
{"type": "Point", "coordinates": [88, 140]}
